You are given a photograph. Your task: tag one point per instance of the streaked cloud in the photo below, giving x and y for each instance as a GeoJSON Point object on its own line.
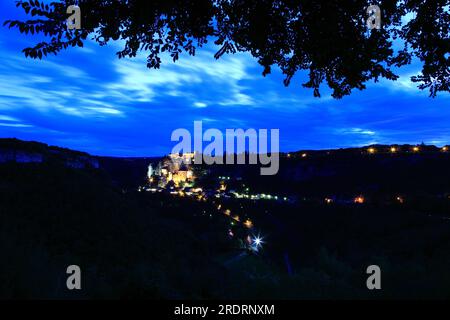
{"type": "Point", "coordinates": [89, 100]}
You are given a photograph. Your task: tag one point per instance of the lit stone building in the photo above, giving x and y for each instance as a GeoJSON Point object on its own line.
{"type": "Point", "coordinates": [150, 171]}
{"type": "Point", "coordinates": [176, 168]}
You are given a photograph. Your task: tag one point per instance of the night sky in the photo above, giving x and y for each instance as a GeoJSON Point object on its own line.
{"type": "Point", "coordinates": [89, 100]}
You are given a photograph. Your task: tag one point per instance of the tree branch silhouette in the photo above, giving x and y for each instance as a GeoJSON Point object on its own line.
{"type": "Point", "coordinates": [327, 39]}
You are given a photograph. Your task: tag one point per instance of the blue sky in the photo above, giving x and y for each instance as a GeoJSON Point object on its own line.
{"type": "Point", "coordinates": [87, 99]}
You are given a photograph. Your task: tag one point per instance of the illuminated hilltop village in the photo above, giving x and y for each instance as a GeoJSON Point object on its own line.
{"type": "Point", "coordinates": [315, 176]}
{"type": "Point", "coordinates": [175, 168]}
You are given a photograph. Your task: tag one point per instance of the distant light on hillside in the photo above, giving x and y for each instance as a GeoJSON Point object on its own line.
{"type": "Point", "coordinates": [248, 223]}
{"type": "Point", "coordinates": [359, 200]}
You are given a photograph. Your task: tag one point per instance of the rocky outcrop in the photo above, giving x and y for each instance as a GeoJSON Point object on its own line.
{"type": "Point", "coordinates": [20, 156]}
{"type": "Point", "coordinates": [14, 150]}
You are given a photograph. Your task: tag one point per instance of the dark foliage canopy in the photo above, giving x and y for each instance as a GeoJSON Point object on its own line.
{"type": "Point", "coordinates": [328, 39]}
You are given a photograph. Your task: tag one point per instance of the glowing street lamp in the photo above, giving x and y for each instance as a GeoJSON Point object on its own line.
{"type": "Point", "coordinates": [256, 243]}
{"type": "Point", "coordinates": [359, 200]}
{"type": "Point", "coordinates": [371, 150]}
{"type": "Point", "coordinates": [248, 223]}
{"type": "Point", "coordinates": [444, 149]}
{"type": "Point", "coordinates": [393, 149]}
{"type": "Point", "coordinates": [416, 149]}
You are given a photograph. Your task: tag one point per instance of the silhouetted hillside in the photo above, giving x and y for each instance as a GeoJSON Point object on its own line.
{"type": "Point", "coordinates": [132, 244]}
{"type": "Point", "coordinates": [14, 150]}
{"type": "Point", "coordinates": [52, 216]}
{"type": "Point", "coordinates": [128, 173]}
{"type": "Point", "coordinates": [348, 172]}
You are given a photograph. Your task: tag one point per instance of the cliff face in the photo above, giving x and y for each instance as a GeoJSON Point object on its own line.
{"type": "Point", "coordinates": [20, 156]}
{"type": "Point", "coordinates": [14, 150]}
